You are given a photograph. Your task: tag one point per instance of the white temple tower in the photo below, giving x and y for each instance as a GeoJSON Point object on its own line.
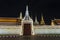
{"type": "Point", "coordinates": [27, 24]}
{"type": "Point", "coordinates": [36, 21]}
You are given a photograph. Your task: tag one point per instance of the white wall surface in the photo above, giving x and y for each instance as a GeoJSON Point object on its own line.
{"type": "Point", "coordinates": [47, 29]}
{"type": "Point", "coordinates": [9, 29]}
{"type": "Point", "coordinates": [4, 29]}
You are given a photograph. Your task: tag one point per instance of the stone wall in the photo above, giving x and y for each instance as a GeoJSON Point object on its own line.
{"type": "Point", "coordinates": [47, 29]}
{"type": "Point", "coordinates": [16, 29]}
{"type": "Point", "coordinates": [5, 29]}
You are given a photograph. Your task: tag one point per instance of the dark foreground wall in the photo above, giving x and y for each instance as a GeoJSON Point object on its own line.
{"type": "Point", "coordinates": [35, 37]}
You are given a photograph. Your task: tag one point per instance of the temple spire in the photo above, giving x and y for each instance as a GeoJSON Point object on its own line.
{"type": "Point", "coordinates": [36, 21]}
{"type": "Point", "coordinates": [27, 17]}
{"type": "Point", "coordinates": [20, 15]}
{"type": "Point", "coordinates": [27, 13]}
{"type": "Point", "coordinates": [42, 20]}
{"type": "Point", "coordinates": [52, 23]}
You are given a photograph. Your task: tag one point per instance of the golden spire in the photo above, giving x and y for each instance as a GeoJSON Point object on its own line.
{"type": "Point", "coordinates": [20, 15]}
{"type": "Point", "coordinates": [52, 23]}
{"type": "Point", "coordinates": [42, 20]}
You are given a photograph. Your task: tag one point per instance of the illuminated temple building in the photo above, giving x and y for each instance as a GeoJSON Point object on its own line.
{"type": "Point", "coordinates": [26, 26]}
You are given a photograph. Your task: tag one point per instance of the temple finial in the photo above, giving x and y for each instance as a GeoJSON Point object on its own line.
{"type": "Point", "coordinates": [27, 13]}
{"type": "Point", "coordinates": [52, 23]}
{"type": "Point", "coordinates": [36, 22]}
{"type": "Point", "coordinates": [42, 20]}
{"type": "Point", "coordinates": [35, 19]}
{"type": "Point", "coordinates": [20, 15]}
{"type": "Point", "coordinates": [27, 17]}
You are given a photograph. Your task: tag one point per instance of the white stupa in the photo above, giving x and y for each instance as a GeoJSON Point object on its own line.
{"type": "Point", "coordinates": [36, 21]}
{"type": "Point", "coordinates": [20, 15]}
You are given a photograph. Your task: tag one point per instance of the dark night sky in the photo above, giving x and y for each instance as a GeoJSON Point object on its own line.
{"type": "Point", "coordinates": [49, 8]}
